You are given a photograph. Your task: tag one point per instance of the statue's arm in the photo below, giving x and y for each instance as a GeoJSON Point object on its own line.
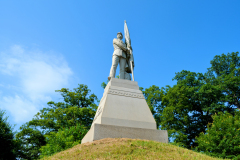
{"type": "Point", "coordinates": [122, 46]}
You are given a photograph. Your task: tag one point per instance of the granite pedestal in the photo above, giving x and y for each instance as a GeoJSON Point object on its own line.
{"type": "Point", "coordinates": [124, 113]}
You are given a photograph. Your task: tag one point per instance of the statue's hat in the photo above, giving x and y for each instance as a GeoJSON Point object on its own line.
{"type": "Point", "coordinates": [119, 33]}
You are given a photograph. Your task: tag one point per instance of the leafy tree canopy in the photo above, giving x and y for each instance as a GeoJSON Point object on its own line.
{"type": "Point", "coordinates": [225, 73]}
{"type": "Point", "coordinates": [189, 105]}
{"type": "Point", "coordinates": [63, 139]}
{"type": "Point", "coordinates": [31, 141]}
{"type": "Point", "coordinates": [153, 96]}
{"type": "Point", "coordinates": [222, 136]}
{"type": "Point", "coordinates": [78, 107]}
{"type": "Point", "coordinates": [8, 144]}
{"type": "Point", "coordinates": [186, 108]}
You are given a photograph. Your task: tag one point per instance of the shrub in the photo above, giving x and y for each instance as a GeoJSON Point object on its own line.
{"type": "Point", "coordinates": [222, 138]}
{"type": "Point", "coordinates": [63, 139]}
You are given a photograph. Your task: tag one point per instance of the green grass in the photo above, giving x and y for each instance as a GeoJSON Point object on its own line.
{"type": "Point", "coordinates": [122, 148]}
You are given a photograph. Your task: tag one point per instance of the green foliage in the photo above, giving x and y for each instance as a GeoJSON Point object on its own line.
{"type": "Point", "coordinates": [225, 73]}
{"type": "Point", "coordinates": [63, 139]}
{"type": "Point", "coordinates": [31, 141]}
{"type": "Point", "coordinates": [153, 96]}
{"type": "Point", "coordinates": [103, 85]}
{"type": "Point", "coordinates": [222, 137]}
{"type": "Point", "coordinates": [78, 107]}
{"type": "Point", "coordinates": [8, 144]}
{"type": "Point", "coordinates": [189, 105]}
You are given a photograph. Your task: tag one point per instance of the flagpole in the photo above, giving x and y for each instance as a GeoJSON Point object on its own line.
{"type": "Point", "coordinates": [131, 62]}
{"type": "Point", "coordinates": [128, 41]}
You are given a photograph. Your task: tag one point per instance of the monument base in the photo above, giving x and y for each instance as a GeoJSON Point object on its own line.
{"type": "Point", "coordinates": [101, 131]}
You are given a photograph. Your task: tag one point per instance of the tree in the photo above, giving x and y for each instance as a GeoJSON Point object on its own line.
{"type": "Point", "coordinates": [225, 72]}
{"type": "Point", "coordinates": [104, 85]}
{"type": "Point", "coordinates": [78, 107]}
{"type": "Point", "coordinates": [153, 96]}
{"type": "Point", "coordinates": [63, 139]}
{"type": "Point", "coordinates": [190, 104]}
{"type": "Point", "coordinates": [8, 144]}
{"type": "Point", "coordinates": [31, 140]}
{"type": "Point", "coordinates": [222, 136]}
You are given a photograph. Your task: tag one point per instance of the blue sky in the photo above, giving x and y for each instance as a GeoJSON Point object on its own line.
{"type": "Point", "coordinates": [48, 45]}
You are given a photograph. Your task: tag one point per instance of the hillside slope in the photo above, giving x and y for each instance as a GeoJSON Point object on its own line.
{"type": "Point", "coordinates": [123, 148]}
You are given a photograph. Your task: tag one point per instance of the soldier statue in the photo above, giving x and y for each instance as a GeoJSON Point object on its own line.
{"type": "Point", "coordinates": [120, 56]}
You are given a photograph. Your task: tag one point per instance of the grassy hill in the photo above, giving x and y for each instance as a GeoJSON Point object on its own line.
{"type": "Point", "coordinates": [123, 148]}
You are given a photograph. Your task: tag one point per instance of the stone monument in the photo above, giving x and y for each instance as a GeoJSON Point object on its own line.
{"type": "Point", "coordinates": [123, 111]}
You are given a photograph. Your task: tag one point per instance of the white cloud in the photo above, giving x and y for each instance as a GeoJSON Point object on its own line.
{"type": "Point", "coordinates": [34, 76]}
{"type": "Point", "coordinates": [20, 108]}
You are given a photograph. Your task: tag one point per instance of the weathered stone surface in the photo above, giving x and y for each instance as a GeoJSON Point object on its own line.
{"type": "Point", "coordinates": [101, 131]}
